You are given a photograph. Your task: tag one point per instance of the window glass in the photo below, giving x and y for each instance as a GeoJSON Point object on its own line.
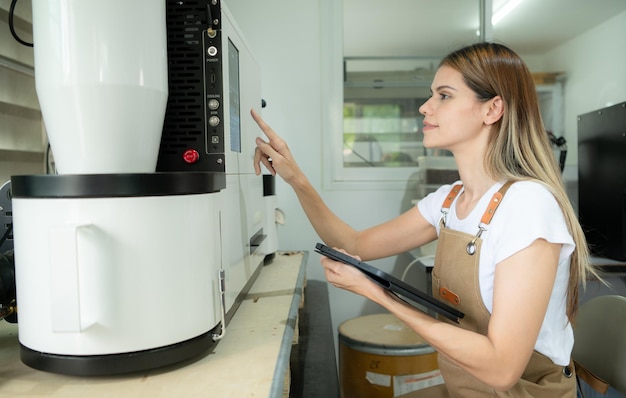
{"type": "Point", "coordinates": [382, 132]}
{"type": "Point", "coordinates": [382, 126]}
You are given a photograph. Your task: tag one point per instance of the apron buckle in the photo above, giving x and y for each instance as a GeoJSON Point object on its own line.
{"type": "Point", "coordinates": [471, 247]}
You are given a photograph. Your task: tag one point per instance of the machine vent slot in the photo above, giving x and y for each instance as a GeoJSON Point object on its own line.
{"type": "Point", "coordinates": [185, 108]}
{"type": "Point", "coordinates": [186, 118]}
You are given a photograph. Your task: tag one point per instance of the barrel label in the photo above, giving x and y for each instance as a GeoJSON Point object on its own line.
{"type": "Point", "coordinates": [378, 379]}
{"type": "Point", "coordinates": [408, 383]}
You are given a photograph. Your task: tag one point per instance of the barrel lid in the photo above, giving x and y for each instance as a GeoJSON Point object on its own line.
{"type": "Point", "coordinates": [380, 330]}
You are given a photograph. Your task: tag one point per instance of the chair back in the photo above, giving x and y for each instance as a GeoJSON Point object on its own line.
{"type": "Point", "coordinates": [600, 339]}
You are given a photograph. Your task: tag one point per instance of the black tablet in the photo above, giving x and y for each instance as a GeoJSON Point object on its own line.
{"type": "Point", "coordinates": [391, 283]}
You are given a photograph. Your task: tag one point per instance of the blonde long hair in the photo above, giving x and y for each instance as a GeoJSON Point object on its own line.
{"type": "Point", "coordinates": [519, 147]}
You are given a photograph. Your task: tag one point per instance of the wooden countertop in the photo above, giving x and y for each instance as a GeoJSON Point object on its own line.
{"type": "Point", "coordinates": [252, 360]}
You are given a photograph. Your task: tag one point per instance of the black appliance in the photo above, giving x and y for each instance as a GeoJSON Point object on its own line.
{"type": "Point", "coordinates": [193, 132]}
{"type": "Point", "coordinates": [602, 180]}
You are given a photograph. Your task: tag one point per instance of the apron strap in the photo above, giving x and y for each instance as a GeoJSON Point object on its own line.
{"type": "Point", "coordinates": [447, 203]}
{"type": "Point", "coordinates": [454, 192]}
{"type": "Point", "coordinates": [496, 199]}
{"type": "Point", "coordinates": [594, 381]}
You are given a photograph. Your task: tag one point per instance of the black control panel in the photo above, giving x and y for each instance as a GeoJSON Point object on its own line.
{"type": "Point", "coordinates": [193, 131]}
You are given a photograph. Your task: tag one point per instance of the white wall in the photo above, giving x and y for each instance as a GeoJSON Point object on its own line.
{"type": "Point", "coordinates": [21, 135]}
{"type": "Point", "coordinates": [285, 37]}
{"type": "Point", "coordinates": [595, 68]}
{"type": "Point", "coordinates": [290, 39]}
{"type": "Point", "coordinates": [288, 42]}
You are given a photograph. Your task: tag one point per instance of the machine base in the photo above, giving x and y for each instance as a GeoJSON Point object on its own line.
{"type": "Point", "coordinates": [123, 363]}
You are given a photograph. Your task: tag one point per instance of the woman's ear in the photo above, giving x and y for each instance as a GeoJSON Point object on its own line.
{"type": "Point", "coordinates": [495, 110]}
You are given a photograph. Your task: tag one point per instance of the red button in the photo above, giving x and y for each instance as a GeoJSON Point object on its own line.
{"type": "Point", "coordinates": [191, 156]}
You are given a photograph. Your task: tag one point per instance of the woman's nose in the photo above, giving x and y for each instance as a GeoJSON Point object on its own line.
{"type": "Point", "coordinates": [423, 108]}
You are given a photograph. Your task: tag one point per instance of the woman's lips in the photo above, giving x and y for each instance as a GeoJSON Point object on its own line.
{"type": "Point", "coordinates": [428, 126]}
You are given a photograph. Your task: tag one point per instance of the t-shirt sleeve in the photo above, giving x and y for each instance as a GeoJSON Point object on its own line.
{"type": "Point", "coordinates": [529, 212]}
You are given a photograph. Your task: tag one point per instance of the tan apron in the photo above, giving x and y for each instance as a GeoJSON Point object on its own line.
{"type": "Point", "coordinates": [455, 282]}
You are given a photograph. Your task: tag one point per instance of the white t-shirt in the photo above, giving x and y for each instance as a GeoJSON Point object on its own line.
{"type": "Point", "coordinates": [528, 212]}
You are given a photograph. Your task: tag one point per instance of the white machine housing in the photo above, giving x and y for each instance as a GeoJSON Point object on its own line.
{"type": "Point", "coordinates": [101, 82]}
{"type": "Point", "coordinates": [243, 214]}
{"type": "Point", "coordinates": [214, 82]}
{"type": "Point", "coordinates": [92, 283]}
{"type": "Point", "coordinates": [120, 268]}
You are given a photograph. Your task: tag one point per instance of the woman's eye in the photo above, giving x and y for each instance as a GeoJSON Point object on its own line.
{"type": "Point", "coordinates": [444, 96]}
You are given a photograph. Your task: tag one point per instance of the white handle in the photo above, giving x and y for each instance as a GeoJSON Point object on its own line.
{"type": "Point", "coordinates": [222, 292]}
{"type": "Point", "coordinates": [65, 305]}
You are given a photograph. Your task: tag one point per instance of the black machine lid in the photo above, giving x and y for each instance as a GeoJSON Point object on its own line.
{"type": "Point", "coordinates": [116, 185]}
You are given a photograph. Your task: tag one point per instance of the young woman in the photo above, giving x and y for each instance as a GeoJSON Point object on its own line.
{"type": "Point", "coordinates": [510, 253]}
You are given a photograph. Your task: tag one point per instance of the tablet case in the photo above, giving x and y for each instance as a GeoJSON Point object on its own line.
{"type": "Point", "coordinates": [393, 284]}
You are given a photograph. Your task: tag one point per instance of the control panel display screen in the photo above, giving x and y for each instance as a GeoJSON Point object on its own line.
{"type": "Point", "coordinates": [234, 95]}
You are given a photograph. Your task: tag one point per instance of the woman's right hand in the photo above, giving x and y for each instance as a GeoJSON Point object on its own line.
{"type": "Point", "coordinates": [276, 157]}
{"type": "Point", "coordinates": [349, 278]}
{"type": "Point", "coordinates": [274, 154]}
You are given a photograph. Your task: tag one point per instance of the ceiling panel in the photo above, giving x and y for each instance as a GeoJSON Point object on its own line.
{"type": "Point", "coordinates": [403, 28]}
